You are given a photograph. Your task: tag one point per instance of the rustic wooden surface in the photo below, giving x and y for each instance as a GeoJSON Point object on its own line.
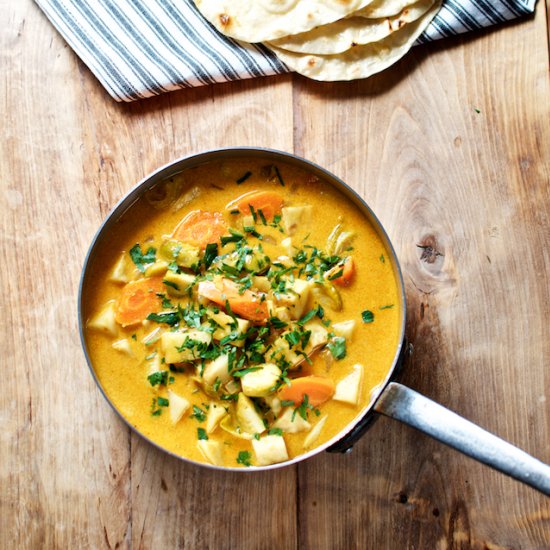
{"type": "Point", "coordinates": [451, 148]}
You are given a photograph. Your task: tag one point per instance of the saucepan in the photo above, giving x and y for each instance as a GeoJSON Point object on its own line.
{"type": "Point", "coordinates": [390, 398]}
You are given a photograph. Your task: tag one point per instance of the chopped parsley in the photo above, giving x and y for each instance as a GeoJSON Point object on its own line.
{"type": "Point", "coordinates": [386, 307]}
{"type": "Point", "coordinates": [244, 458]}
{"type": "Point", "coordinates": [162, 402]}
{"type": "Point", "coordinates": [367, 316]}
{"type": "Point", "coordinates": [198, 414]}
{"type": "Point", "coordinates": [168, 317]}
{"type": "Point", "coordinates": [337, 347]}
{"type": "Point", "coordinates": [140, 259]}
{"type": "Point", "coordinates": [244, 177]}
{"type": "Point", "coordinates": [210, 253]}
{"type": "Point", "coordinates": [201, 434]}
{"type": "Point", "coordinates": [158, 378]}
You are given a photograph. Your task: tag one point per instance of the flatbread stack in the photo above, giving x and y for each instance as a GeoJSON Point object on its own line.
{"type": "Point", "coordinates": [326, 39]}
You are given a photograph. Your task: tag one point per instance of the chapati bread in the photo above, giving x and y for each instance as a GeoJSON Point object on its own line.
{"type": "Point", "coordinates": [359, 61]}
{"type": "Point", "coordinates": [263, 20]}
{"type": "Point", "coordinates": [344, 34]}
{"type": "Point", "coordinates": [383, 8]}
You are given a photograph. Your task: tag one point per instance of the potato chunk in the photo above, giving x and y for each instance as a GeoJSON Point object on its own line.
{"type": "Point", "coordinates": [261, 382]}
{"type": "Point", "coordinates": [124, 346]}
{"type": "Point", "coordinates": [291, 422]}
{"type": "Point", "coordinates": [178, 405]}
{"type": "Point", "coordinates": [105, 321]}
{"type": "Point", "coordinates": [249, 419]}
{"type": "Point", "coordinates": [178, 283]}
{"type": "Point", "coordinates": [215, 413]}
{"type": "Point", "coordinates": [118, 273]}
{"type": "Point", "coordinates": [344, 329]}
{"type": "Point", "coordinates": [212, 451]}
{"type": "Point", "coordinates": [270, 449]}
{"type": "Point", "coordinates": [295, 216]}
{"type": "Point", "coordinates": [314, 434]}
{"type": "Point", "coordinates": [224, 324]}
{"type": "Point", "coordinates": [347, 390]}
{"type": "Point", "coordinates": [172, 345]}
{"type": "Point", "coordinates": [296, 297]}
{"type": "Point", "coordinates": [217, 368]}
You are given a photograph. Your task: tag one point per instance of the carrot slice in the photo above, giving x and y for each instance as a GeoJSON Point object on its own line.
{"type": "Point", "coordinates": [317, 388]}
{"type": "Point", "coordinates": [200, 228]}
{"type": "Point", "coordinates": [247, 305]}
{"type": "Point", "coordinates": [269, 202]}
{"type": "Point", "coordinates": [348, 273]}
{"type": "Point", "coordinates": [138, 299]}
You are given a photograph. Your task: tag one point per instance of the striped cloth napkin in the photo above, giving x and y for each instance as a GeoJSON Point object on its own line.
{"type": "Point", "coordinates": [142, 48]}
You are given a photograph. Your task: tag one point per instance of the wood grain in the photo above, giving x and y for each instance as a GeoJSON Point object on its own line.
{"type": "Point", "coordinates": [450, 148]}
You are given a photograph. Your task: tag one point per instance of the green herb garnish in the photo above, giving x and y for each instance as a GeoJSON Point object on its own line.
{"type": "Point", "coordinates": [210, 253]}
{"type": "Point", "coordinates": [158, 378]}
{"type": "Point", "coordinates": [367, 316]}
{"type": "Point", "coordinates": [244, 177]}
{"type": "Point", "coordinates": [141, 260]}
{"type": "Point", "coordinates": [198, 414]}
{"type": "Point", "coordinates": [337, 347]}
{"type": "Point", "coordinates": [168, 317]}
{"type": "Point", "coordinates": [244, 458]}
{"type": "Point", "coordinates": [201, 434]}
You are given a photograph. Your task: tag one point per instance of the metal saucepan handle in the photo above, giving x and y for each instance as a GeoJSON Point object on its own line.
{"type": "Point", "coordinates": [402, 403]}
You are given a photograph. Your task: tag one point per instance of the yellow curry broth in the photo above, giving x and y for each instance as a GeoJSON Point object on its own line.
{"type": "Point", "coordinates": [124, 378]}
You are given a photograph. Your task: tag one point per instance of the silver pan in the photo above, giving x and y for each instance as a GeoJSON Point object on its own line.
{"type": "Point", "coordinates": [390, 398]}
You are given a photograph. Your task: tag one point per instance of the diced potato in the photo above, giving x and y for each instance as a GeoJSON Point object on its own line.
{"type": "Point", "coordinates": [296, 298]}
{"type": "Point", "coordinates": [327, 295]}
{"type": "Point", "coordinates": [171, 342]}
{"type": "Point", "coordinates": [295, 216]}
{"type": "Point", "coordinates": [270, 449]}
{"type": "Point", "coordinates": [282, 313]}
{"type": "Point", "coordinates": [261, 382]}
{"type": "Point", "coordinates": [318, 338]}
{"type": "Point", "coordinates": [118, 274]}
{"type": "Point", "coordinates": [228, 425]}
{"type": "Point", "coordinates": [281, 350]}
{"type": "Point", "coordinates": [105, 321]}
{"type": "Point", "coordinates": [124, 346]}
{"type": "Point", "coordinates": [178, 405]}
{"type": "Point", "coordinates": [155, 364]}
{"type": "Point", "coordinates": [347, 390]}
{"type": "Point", "coordinates": [224, 329]}
{"type": "Point", "coordinates": [274, 403]}
{"type": "Point", "coordinates": [156, 269]}
{"type": "Point", "coordinates": [215, 413]}
{"type": "Point", "coordinates": [263, 284]}
{"type": "Point", "coordinates": [179, 283]}
{"type": "Point", "coordinates": [217, 369]}
{"type": "Point", "coordinates": [287, 245]}
{"type": "Point", "coordinates": [344, 329]}
{"type": "Point", "coordinates": [314, 434]}
{"type": "Point", "coordinates": [184, 254]}
{"type": "Point", "coordinates": [249, 419]}
{"type": "Point", "coordinates": [212, 451]}
{"type": "Point", "coordinates": [291, 422]}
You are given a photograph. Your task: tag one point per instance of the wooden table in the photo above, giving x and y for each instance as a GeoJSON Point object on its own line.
{"type": "Point", "coordinates": [451, 148]}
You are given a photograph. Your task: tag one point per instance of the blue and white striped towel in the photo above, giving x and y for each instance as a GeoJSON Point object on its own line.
{"type": "Point", "coordinates": [142, 48]}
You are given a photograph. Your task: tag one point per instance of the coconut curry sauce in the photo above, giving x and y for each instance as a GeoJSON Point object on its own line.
{"type": "Point", "coordinates": [241, 314]}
